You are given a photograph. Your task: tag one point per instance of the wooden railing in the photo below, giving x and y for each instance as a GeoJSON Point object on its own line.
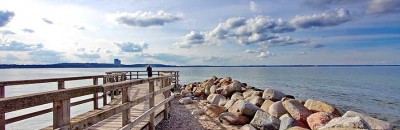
{"type": "Point", "coordinates": [61, 99]}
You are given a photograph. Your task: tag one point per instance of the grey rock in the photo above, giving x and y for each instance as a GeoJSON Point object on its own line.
{"type": "Point", "coordinates": [374, 123]}
{"type": "Point", "coordinates": [273, 94]}
{"type": "Point", "coordinates": [346, 122]}
{"type": "Point", "coordinates": [264, 121]}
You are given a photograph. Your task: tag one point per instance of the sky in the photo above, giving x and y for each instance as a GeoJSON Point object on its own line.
{"type": "Point", "coordinates": [200, 32]}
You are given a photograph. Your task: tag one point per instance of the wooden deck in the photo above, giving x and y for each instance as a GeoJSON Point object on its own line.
{"type": "Point", "coordinates": [115, 122]}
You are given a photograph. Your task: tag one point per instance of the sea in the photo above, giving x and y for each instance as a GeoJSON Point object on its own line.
{"type": "Point", "coordinates": [373, 90]}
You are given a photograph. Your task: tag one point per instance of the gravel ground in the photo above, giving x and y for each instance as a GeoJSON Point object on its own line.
{"type": "Point", "coordinates": [182, 119]}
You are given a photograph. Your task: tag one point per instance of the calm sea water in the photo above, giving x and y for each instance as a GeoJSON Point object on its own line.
{"type": "Point", "coordinates": [371, 90]}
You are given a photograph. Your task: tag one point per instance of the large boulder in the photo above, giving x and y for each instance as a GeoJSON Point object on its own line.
{"type": "Point", "coordinates": [186, 100]}
{"type": "Point", "coordinates": [247, 127]}
{"type": "Point", "coordinates": [346, 123]}
{"type": "Point", "coordinates": [232, 88]}
{"type": "Point", "coordinates": [319, 119]}
{"type": "Point", "coordinates": [244, 108]}
{"type": "Point", "coordinates": [213, 110]}
{"type": "Point", "coordinates": [229, 103]}
{"type": "Point", "coordinates": [320, 106]}
{"type": "Point", "coordinates": [258, 101]}
{"type": "Point", "coordinates": [216, 98]}
{"type": "Point", "coordinates": [189, 87]}
{"type": "Point", "coordinates": [266, 104]}
{"type": "Point", "coordinates": [273, 94]}
{"type": "Point", "coordinates": [226, 79]}
{"type": "Point", "coordinates": [197, 112]}
{"type": "Point", "coordinates": [230, 118]}
{"type": "Point", "coordinates": [277, 109]}
{"type": "Point", "coordinates": [297, 110]}
{"type": "Point", "coordinates": [213, 89]}
{"type": "Point", "coordinates": [264, 121]}
{"type": "Point", "coordinates": [286, 123]}
{"type": "Point", "coordinates": [374, 123]}
{"type": "Point", "coordinates": [237, 95]}
{"type": "Point", "coordinates": [248, 93]}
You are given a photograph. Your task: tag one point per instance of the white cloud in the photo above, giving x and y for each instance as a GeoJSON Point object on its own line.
{"type": "Point", "coordinates": [132, 46]}
{"type": "Point", "coordinates": [47, 21]}
{"type": "Point", "coordinates": [332, 18]}
{"type": "Point", "coordinates": [145, 19]}
{"type": "Point", "coordinates": [191, 39]}
{"type": "Point", "coordinates": [253, 6]}
{"type": "Point", "coordinates": [88, 56]}
{"type": "Point", "coordinates": [5, 17]}
{"type": "Point", "coordinates": [27, 30]}
{"type": "Point", "coordinates": [19, 46]}
{"type": "Point", "coordinates": [6, 32]}
{"type": "Point", "coordinates": [264, 55]}
{"type": "Point", "coordinates": [46, 56]}
{"type": "Point", "coordinates": [383, 6]}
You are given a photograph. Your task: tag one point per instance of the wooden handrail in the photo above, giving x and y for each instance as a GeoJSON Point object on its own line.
{"type": "Point", "coordinates": [34, 81]}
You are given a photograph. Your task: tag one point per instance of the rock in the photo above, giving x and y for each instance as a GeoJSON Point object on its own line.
{"type": "Point", "coordinates": [225, 83]}
{"type": "Point", "coordinates": [213, 110]}
{"type": "Point", "coordinates": [203, 102]}
{"type": "Point", "coordinates": [319, 119]}
{"type": "Point", "coordinates": [346, 122]}
{"type": "Point", "coordinates": [247, 127]}
{"type": "Point", "coordinates": [244, 108]}
{"type": "Point", "coordinates": [289, 96]}
{"type": "Point", "coordinates": [277, 109]}
{"type": "Point", "coordinates": [197, 112]}
{"type": "Point", "coordinates": [228, 79]}
{"type": "Point", "coordinates": [266, 104]}
{"type": "Point", "coordinates": [237, 95]}
{"type": "Point", "coordinates": [296, 110]}
{"type": "Point", "coordinates": [374, 123]}
{"type": "Point", "coordinates": [222, 103]}
{"type": "Point", "coordinates": [213, 89]}
{"type": "Point", "coordinates": [264, 121]}
{"type": "Point", "coordinates": [258, 101]}
{"type": "Point", "coordinates": [257, 93]}
{"type": "Point", "coordinates": [216, 98]}
{"type": "Point", "coordinates": [297, 128]}
{"type": "Point", "coordinates": [248, 93]}
{"type": "Point", "coordinates": [203, 118]}
{"type": "Point", "coordinates": [320, 106]}
{"type": "Point", "coordinates": [230, 118]}
{"type": "Point", "coordinates": [189, 87]}
{"type": "Point", "coordinates": [244, 85]}
{"type": "Point", "coordinates": [229, 103]}
{"type": "Point", "coordinates": [232, 88]}
{"type": "Point", "coordinates": [273, 94]}
{"type": "Point", "coordinates": [286, 123]}
{"type": "Point", "coordinates": [186, 100]}
{"type": "Point", "coordinates": [184, 93]}
{"type": "Point", "coordinates": [219, 90]}
{"type": "Point", "coordinates": [284, 115]}
{"type": "Point", "coordinates": [214, 78]}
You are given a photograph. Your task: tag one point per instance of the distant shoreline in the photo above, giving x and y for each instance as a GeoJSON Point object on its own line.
{"type": "Point", "coordinates": [101, 65]}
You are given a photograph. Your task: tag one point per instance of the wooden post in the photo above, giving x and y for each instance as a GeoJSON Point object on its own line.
{"type": "Point", "coordinates": [130, 75]}
{"type": "Point", "coordinates": [104, 93]}
{"type": "Point", "coordinates": [2, 115]}
{"type": "Point", "coordinates": [151, 104]}
{"type": "Point", "coordinates": [137, 74]}
{"type": "Point", "coordinates": [61, 110]}
{"type": "Point", "coordinates": [95, 95]}
{"type": "Point", "coordinates": [125, 113]}
{"type": "Point", "coordinates": [166, 107]}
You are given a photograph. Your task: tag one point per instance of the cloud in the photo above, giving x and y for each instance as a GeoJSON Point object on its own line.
{"type": "Point", "coordinates": [46, 56]}
{"type": "Point", "coordinates": [5, 17]}
{"type": "Point", "coordinates": [108, 51]}
{"type": "Point", "coordinates": [87, 56]}
{"type": "Point", "coordinates": [146, 19]}
{"type": "Point", "coordinates": [323, 4]}
{"type": "Point", "coordinates": [332, 18]}
{"type": "Point", "coordinates": [250, 51]}
{"type": "Point", "coordinates": [81, 49]}
{"type": "Point", "coordinates": [79, 27]}
{"type": "Point", "coordinates": [285, 41]}
{"type": "Point", "coordinates": [19, 46]}
{"type": "Point", "coordinates": [27, 30]}
{"type": "Point", "coordinates": [167, 58]}
{"type": "Point", "coordinates": [315, 45]}
{"type": "Point", "coordinates": [47, 21]}
{"type": "Point", "coordinates": [383, 6]}
{"type": "Point", "coordinates": [240, 30]}
{"type": "Point", "coordinates": [253, 6]}
{"type": "Point", "coordinates": [216, 60]}
{"type": "Point", "coordinates": [191, 39]}
{"type": "Point", "coordinates": [264, 55]}
{"type": "Point", "coordinates": [6, 32]}
{"type": "Point", "coordinates": [132, 46]}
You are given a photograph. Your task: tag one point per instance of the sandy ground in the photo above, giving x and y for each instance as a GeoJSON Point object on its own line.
{"type": "Point", "coordinates": [182, 119]}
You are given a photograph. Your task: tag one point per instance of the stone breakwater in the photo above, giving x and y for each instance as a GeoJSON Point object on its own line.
{"type": "Point", "coordinates": [232, 102]}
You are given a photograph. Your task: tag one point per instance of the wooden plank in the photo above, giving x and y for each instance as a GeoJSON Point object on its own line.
{"type": "Point", "coordinates": [125, 113]}
{"type": "Point", "coordinates": [152, 126]}
{"type": "Point", "coordinates": [146, 114]}
{"type": "Point", "coordinates": [61, 110]}
{"type": "Point", "coordinates": [14, 103]}
{"type": "Point", "coordinates": [95, 95]}
{"type": "Point", "coordinates": [2, 115]}
{"type": "Point", "coordinates": [35, 81]}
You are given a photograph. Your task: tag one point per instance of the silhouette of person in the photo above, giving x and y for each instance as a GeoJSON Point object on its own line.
{"type": "Point", "coordinates": [149, 71]}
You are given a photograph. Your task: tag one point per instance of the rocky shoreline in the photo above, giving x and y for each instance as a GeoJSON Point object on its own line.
{"type": "Point", "coordinates": [233, 103]}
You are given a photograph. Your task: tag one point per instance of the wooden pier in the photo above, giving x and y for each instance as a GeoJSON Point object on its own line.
{"type": "Point", "coordinates": [137, 102]}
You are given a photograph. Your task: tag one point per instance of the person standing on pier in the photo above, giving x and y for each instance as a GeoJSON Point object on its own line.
{"type": "Point", "coordinates": [149, 71]}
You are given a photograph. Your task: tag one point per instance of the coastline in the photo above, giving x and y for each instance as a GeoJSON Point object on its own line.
{"type": "Point", "coordinates": [212, 102]}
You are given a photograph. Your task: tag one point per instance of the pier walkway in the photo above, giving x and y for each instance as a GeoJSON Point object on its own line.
{"type": "Point", "coordinates": [136, 102]}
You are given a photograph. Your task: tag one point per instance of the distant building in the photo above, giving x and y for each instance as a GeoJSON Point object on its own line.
{"type": "Point", "coordinates": [117, 62]}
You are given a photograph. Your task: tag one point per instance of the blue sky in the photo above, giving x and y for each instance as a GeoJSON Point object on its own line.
{"type": "Point", "coordinates": [201, 32]}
